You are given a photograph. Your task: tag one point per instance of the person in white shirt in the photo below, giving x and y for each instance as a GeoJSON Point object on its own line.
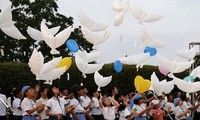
{"type": "Point", "coordinates": [187, 105]}
{"type": "Point", "coordinates": [56, 106]}
{"type": "Point", "coordinates": [79, 112]}
{"type": "Point", "coordinates": [87, 103]}
{"type": "Point", "coordinates": [2, 106]}
{"type": "Point", "coordinates": [180, 113]}
{"type": "Point", "coordinates": [29, 108]}
{"type": "Point", "coordinates": [17, 111]}
{"type": "Point", "coordinates": [42, 100]}
{"type": "Point", "coordinates": [169, 107]}
{"type": "Point", "coordinates": [107, 108]}
{"type": "Point", "coordinates": [96, 112]}
{"type": "Point", "coordinates": [140, 108]}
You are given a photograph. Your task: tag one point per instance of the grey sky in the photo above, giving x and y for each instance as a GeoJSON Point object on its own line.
{"type": "Point", "coordinates": [179, 26]}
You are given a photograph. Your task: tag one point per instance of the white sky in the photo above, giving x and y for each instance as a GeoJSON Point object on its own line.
{"type": "Point", "coordinates": [179, 26]}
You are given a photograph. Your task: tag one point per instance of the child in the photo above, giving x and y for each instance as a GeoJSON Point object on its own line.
{"type": "Point", "coordinates": [43, 100]}
{"type": "Point", "coordinates": [107, 108]}
{"type": "Point", "coordinates": [124, 112]}
{"type": "Point", "coordinates": [55, 105]}
{"type": "Point", "coordinates": [79, 112]}
{"type": "Point", "coordinates": [139, 108]}
{"type": "Point", "coordinates": [157, 113]}
{"type": "Point", "coordinates": [17, 111]}
{"type": "Point", "coordinates": [29, 108]}
{"type": "Point", "coordinates": [180, 114]}
{"type": "Point", "coordinates": [96, 112]}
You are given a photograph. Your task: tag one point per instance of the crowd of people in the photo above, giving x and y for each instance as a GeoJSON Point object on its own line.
{"type": "Point", "coordinates": [79, 103]}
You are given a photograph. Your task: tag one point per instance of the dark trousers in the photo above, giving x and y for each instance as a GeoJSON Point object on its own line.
{"type": "Point", "coordinates": [54, 118]}
{"type": "Point", "coordinates": [17, 118]}
{"type": "Point", "coordinates": [98, 117]}
{"type": "Point", "coordinates": [3, 117]}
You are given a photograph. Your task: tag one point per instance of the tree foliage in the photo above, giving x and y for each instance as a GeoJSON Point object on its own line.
{"type": "Point", "coordinates": [31, 14]}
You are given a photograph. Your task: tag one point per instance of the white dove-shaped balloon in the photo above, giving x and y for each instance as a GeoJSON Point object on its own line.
{"type": "Point", "coordinates": [138, 59]}
{"type": "Point", "coordinates": [55, 41]}
{"type": "Point", "coordinates": [173, 66]}
{"type": "Point", "coordinates": [195, 72]}
{"type": "Point", "coordinates": [189, 87]}
{"type": "Point", "coordinates": [125, 4]}
{"type": "Point", "coordinates": [117, 6]}
{"type": "Point", "coordinates": [52, 75]}
{"type": "Point", "coordinates": [36, 63]}
{"type": "Point", "coordinates": [188, 54]}
{"type": "Point", "coordinates": [86, 68]}
{"type": "Point", "coordinates": [7, 25]}
{"type": "Point", "coordinates": [89, 57]}
{"type": "Point", "coordinates": [147, 39]}
{"type": "Point", "coordinates": [144, 16]}
{"type": "Point", "coordinates": [161, 86]}
{"type": "Point", "coordinates": [94, 38]}
{"type": "Point", "coordinates": [37, 35]}
{"type": "Point", "coordinates": [90, 24]}
{"type": "Point", "coordinates": [101, 81]}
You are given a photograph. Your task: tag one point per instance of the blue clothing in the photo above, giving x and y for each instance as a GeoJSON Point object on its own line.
{"type": "Point", "coordinates": [131, 104]}
{"type": "Point", "coordinates": [80, 116]}
{"type": "Point", "coordinates": [140, 118]}
{"type": "Point", "coordinates": [29, 118]}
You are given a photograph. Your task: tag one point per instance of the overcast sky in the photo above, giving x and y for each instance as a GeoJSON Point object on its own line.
{"type": "Point", "coordinates": [179, 26]}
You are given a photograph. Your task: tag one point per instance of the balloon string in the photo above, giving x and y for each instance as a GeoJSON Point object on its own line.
{"type": "Point", "coordinates": [163, 107]}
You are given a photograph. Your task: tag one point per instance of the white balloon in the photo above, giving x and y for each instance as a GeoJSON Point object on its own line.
{"type": "Point", "coordinates": [173, 66]}
{"type": "Point", "coordinates": [117, 6]}
{"type": "Point", "coordinates": [58, 40]}
{"type": "Point", "coordinates": [86, 68]}
{"type": "Point", "coordinates": [147, 39]}
{"type": "Point", "coordinates": [52, 75]}
{"type": "Point", "coordinates": [118, 19]}
{"type": "Point", "coordinates": [49, 66]}
{"type": "Point", "coordinates": [189, 87]}
{"type": "Point", "coordinates": [36, 62]}
{"type": "Point", "coordinates": [101, 81]}
{"type": "Point", "coordinates": [7, 25]}
{"type": "Point", "coordinates": [125, 5]}
{"type": "Point", "coordinates": [89, 57]}
{"type": "Point", "coordinates": [160, 87]}
{"type": "Point", "coordinates": [196, 72]}
{"type": "Point", "coordinates": [94, 38]}
{"type": "Point", "coordinates": [188, 54]}
{"type": "Point", "coordinates": [144, 16]}
{"type": "Point", "coordinates": [135, 59]}
{"type": "Point", "coordinates": [90, 24]}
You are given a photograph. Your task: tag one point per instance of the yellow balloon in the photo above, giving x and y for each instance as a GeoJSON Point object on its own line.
{"type": "Point", "coordinates": [141, 84]}
{"type": "Point", "coordinates": [67, 61]}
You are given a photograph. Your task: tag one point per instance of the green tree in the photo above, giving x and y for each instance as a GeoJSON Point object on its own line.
{"type": "Point", "coordinates": [31, 14]}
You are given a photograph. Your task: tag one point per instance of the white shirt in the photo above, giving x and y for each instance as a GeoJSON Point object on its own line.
{"type": "Point", "coordinates": [185, 106]}
{"type": "Point", "coordinates": [198, 109]}
{"type": "Point", "coordinates": [86, 100]}
{"type": "Point", "coordinates": [138, 108]}
{"type": "Point", "coordinates": [55, 107]}
{"type": "Point", "coordinates": [79, 107]}
{"type": "Point", "coordinates": [16, 104]}
{"type": "Point", "coordinates": [95, 108]}
{"type": "Point", "coordinates": [9, 103]}
{"type": "Point", "coordinates": [108, 112]}
{"type": "Point", "coordinates": [168, 105]}
{"type": "Point", "coordinates": [178, 111]}
{"type": "Point", "coordinates": [2, 107]}
{"type": "Point", "coordinates": [43, 113]}
{"type": "Point", "coordinates": [123, 114]}
{"type": "Point", "coordinates": [27, 104]}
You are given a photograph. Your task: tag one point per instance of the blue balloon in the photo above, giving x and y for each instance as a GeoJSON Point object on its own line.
{"type": "Point", "coordinates": [189, 79]}
{"type": "Point", "coordinates": [72, 45]}
{"type": "Point", "coordinates": [118, 66]}
{"type": "Point", "coordinates": [151, 50]}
